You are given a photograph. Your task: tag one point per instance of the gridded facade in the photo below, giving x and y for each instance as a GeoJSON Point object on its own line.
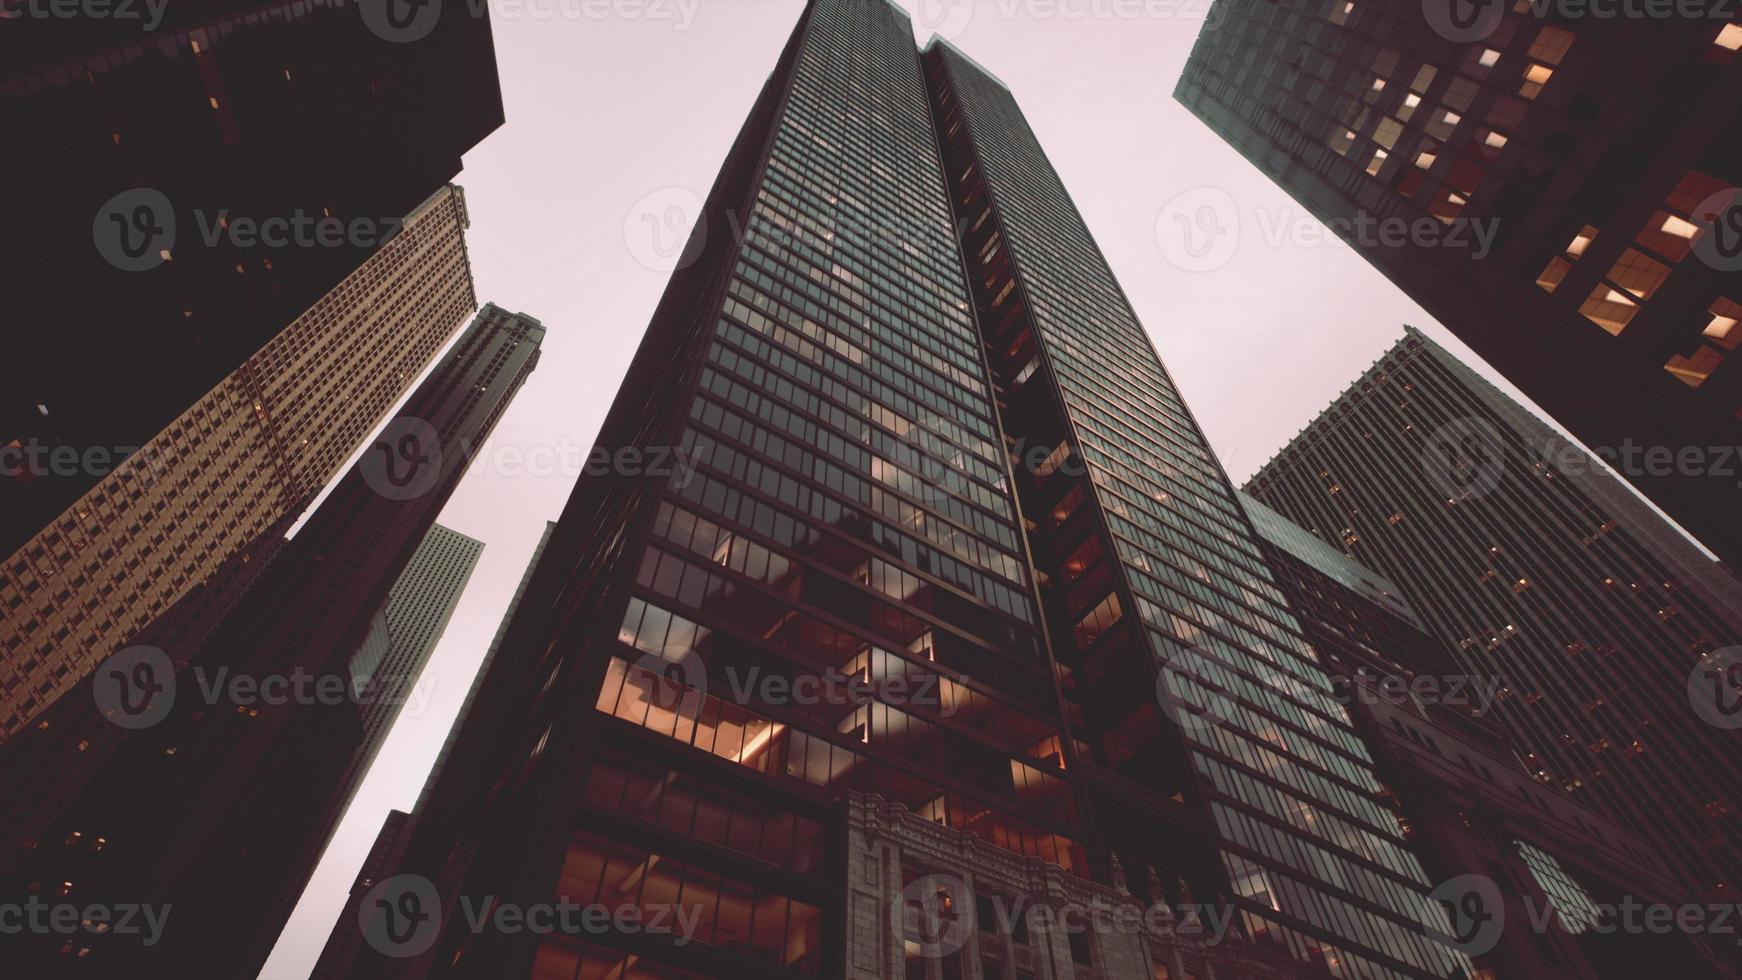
{"type": "Point", "coordinates": [255, 449]}
{"type": "Point", "coordinates": [1471, 805]}
{"type": "Point", "coordinates": [235, 113]}
{"type": "Point", "coordinates": [221, 806]}
{"type": "Point", "coordinates": [1601, 153]}
{"type": "Point", "coordinates": [850, 515]}
{"type": "Point", "coordinates": [417, 613]}
{"type": "Point", "coordinates": [1160, 574]}
{"type": "Point", "coordinates": [1555, 580]}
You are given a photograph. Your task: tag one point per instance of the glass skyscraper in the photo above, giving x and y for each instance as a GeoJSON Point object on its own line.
{"type": "Point", "coordinates": [1577, 174]}
{"type": "Point", "coordinates": [1535, 568]}
{"type": "Point", "coordinates": [938, 528]}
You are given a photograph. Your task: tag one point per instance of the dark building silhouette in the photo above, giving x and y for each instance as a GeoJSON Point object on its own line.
{"type": "Point", "coordinates": [1553, 577]}
{"type": "Point", "coordinates": [217, 789]}
{"type": "Point", "coordinates": [947, 463]}
{"type": "Point", "coordinates": [1601, 153]}
{"type": "Point", "coordinates": [1550, 866]}
{"type": "Point", "coordinates": [339, 956]}
{"type": "Point", "coordinates": [220, 121]}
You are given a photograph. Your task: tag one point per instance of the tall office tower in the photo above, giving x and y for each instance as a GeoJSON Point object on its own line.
{"type": "Point", "coordinates": [1472, 806]}
{"type": "Point", "coordinates": [347, 942]}
{"type": "Point", "coordinates": [201, 173]}
{"type": "Point", "coordinates": [1576, 180]}
{"type": "Point", "coordinates": [249, 452]}
{"type": "Point", "coordinates": [216, 801]}
{"type": "Point", "coordinates": [386, 670]}
{"type": "Point", "coordinates": [405, 632]}
{"type": "Point", "coordinates": [847, 510]}
{"type": "Point", "coordinates": [1154, 584]}
{"type": "Point", "coordinates": [837, 509]}
{"type": "Point", "coordinates": [1552, 577]}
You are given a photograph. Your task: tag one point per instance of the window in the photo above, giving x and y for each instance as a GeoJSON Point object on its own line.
{"type": "Point", "coordinates": [1725, 45]}
{"type": "Point", "coordinates": [1340, 11]}
{"type": "Point", "coordinates": [1609, 308]}
{"type": "Point", "coordinates": [1535, 77]}
{"type": "Point", "coordinates": [1558, 267]}
{"type": "Point", "coordinates": [1720, 336]}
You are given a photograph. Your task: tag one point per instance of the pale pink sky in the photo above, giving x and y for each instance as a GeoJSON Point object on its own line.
{"type": "Point", "coordinates": [619, 110]}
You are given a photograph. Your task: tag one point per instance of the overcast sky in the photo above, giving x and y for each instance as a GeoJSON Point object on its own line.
{"type": "Point", "coordinates": [619, 115]}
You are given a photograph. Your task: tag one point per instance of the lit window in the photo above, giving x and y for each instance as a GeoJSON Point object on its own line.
{"type": "Point", "coordinates": [1581, 241]}
{"type": "Point", "coordinates": [1489, 58]}
{"type": "Point", "coordinates": [1379, 85]}
{"type": "Point", "coordinates": [1730, 38]}
{"type": "Point", "coordinates": [1638, 273]}
{"type": "Point", "coordinates": [1551, 45]}
{"type": "Point", "coordinates": [1551, 276]}
{"type": "Point", "coordinates": [1609, 308]}
{"type": "Point", "coordinates": [1535, 77]}
{"type": "Point", "coordinates": [1387, 133]}
{"type": "Point", "coordinates": [1425, 159]}
{"type": "Point", "coordinates": [1493, 140]}
{"type": "Point", "coordinates": [1717, 340]}
{"type": "Point", "coordinates": [1340, 12]}
{"type": "Point", "coordinates": [1378, 161]}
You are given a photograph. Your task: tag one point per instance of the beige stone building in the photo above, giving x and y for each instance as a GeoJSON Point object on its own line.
{"type": "Point", "coordinates": [254, 449]}
{"type": "Point", "coordinates": [927, 902]}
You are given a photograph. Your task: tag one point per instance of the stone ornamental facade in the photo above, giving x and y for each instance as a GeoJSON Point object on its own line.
{"type": "Point", "coordinates": [890, 851]}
